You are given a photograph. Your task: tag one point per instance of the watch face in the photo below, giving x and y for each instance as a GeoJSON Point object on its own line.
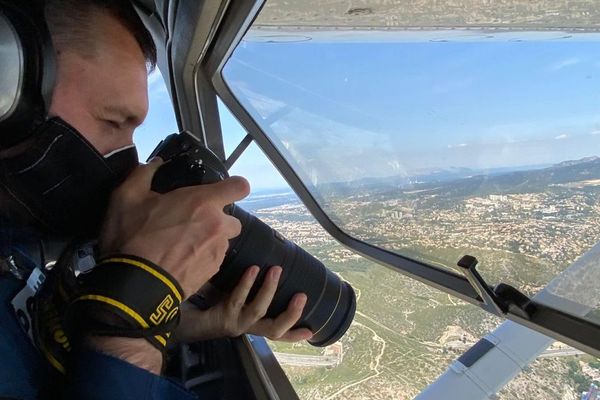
{"type": "Point", "coordinates": [11, 67]}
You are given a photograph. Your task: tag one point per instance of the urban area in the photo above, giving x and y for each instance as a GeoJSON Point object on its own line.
{"type": "Point", "coordinates": [525, 227]}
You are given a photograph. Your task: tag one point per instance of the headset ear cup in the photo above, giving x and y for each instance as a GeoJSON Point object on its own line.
{"type": "Point", "coordinates": [37, 75]}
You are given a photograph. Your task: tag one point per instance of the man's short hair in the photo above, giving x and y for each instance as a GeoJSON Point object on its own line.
{"type": "Point", "coordinates": [69, 22]}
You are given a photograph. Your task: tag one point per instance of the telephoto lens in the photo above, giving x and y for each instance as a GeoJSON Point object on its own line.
{"type": "Point", "coordinates": [331, 302]}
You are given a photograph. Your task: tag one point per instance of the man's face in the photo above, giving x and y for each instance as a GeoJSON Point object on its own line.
{"type": "Point", "coordinates": [104, 97]}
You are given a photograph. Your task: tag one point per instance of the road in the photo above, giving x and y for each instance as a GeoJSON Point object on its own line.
{"type": "Point", "coordinates": [569, 351]}
{"type": "Point", "coordinates": [301, 360]}
{"type": "Point", "coordinates": [374, 366]}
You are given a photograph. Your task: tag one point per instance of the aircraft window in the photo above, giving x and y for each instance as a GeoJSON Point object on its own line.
{"type": "Point", "coordinates": [233, 132]}
{"type": "Point", "coordinates": [437, 144]}
{"type": "Point", "coordinates": [405, 333]}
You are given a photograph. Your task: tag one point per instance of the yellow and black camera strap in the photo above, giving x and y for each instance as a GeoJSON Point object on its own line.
{"type": "Point", "coordinates": [126, 296]}
{"type": "Point", "coordinates": [78, 296]}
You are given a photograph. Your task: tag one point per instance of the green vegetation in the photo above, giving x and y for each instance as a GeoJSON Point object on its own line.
{"type": "Point", "coordinates": [411, 319]}
{"type": "Point", "coordinates": [581, 382]}
{"type": "Point", "coordinates": [406, 333]}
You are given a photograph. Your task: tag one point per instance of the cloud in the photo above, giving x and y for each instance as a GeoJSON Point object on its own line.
{"type": "Point", "coordinates": [454, 146]}
{"type": "Point", "coordinates": [395, 165]}
{"type": "Point", "coordinates": [156, 84]}
{"type": "Point", "coordinates": [561, 137]}
{"type": "Point", "coordinates": [567, 62]}
{"type": "Point", "coordinates": [596, 132]}
{"type": "Point", "coordinates": [154, 77]}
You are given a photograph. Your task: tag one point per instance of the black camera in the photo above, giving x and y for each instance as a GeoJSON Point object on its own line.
{"type": "Point", "coordinates": [331, 302]}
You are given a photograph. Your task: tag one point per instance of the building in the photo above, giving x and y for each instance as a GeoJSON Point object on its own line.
{"type": "Point", "coordinates": [498, 197]}
{"type": "Point", "coordinates": [592, 394]}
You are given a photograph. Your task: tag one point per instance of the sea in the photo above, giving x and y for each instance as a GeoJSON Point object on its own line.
{"type": "Point", "coordinates": [268, 198]}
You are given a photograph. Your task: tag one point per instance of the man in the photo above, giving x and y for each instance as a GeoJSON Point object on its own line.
{"type": "Point", "coordinates": [102, 54]}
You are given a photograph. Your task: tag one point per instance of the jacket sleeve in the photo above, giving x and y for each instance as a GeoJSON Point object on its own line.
{"type": "Point", "coordinates": [94, 375]}
{"type": "Point", "coordinates": [25, 375]}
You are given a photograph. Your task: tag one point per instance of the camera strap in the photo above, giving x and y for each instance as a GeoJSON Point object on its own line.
{"type": "Point", "coordinates": [126, 296]}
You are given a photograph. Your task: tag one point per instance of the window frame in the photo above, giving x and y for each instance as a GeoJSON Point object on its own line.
{"type": "Point", "coordinates": [576, 331]}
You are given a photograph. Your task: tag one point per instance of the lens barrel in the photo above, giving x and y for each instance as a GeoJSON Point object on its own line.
{"type": "Point", "coordinates": [331, 302]}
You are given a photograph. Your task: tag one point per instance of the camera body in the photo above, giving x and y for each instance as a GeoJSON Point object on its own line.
{"type": "Point", "coordinates": [187, 163]}
{"type": "Point", "coordinates": [331, 302]}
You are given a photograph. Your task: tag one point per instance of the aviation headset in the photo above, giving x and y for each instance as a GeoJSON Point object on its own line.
{"type": "Point", "coordinates": [28, 66]}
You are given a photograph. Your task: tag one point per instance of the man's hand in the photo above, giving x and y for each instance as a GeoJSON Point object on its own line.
{"type": "Point", "coordinates": [233, 317]}
{"type": "Point", "coordinates": [184, 231]}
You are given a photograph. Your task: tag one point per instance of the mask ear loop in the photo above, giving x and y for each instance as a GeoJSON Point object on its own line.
{"type": "Point", "coordinates": [112, 153]}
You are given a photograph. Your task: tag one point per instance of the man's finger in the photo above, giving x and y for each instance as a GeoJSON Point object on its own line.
{"type": "Point", "coordinates": [224, 192]}
{"type": "Point", "coordinates": [278, 328]}
{"type": "Point", "coordinates": [233, 226]}
{"type": "Point", "coordinates": [140, 178]}
{"type": "Point", "coordinates": [259, 305]}
{"type": "Point", "coordinates": [287, 319]}
{"type": "Point", "coordinates": [231, 190]}
{"type": "Point", "coordinates": [296, 335]}
{"type": "Point", "coordinates": [239, 294]}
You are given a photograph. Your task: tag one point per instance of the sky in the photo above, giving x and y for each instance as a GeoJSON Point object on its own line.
{"type": "Point", "coordinates": [161, 122]}
{"type": "Point", "coordinates": [347, 110]}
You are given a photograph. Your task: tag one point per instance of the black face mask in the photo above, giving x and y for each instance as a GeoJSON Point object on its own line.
{"type": "Point", "coordinates": [63, 181]}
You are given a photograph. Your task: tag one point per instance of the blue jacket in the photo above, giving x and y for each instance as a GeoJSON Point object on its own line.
{"type": "Point", "coordinates": [25, 374]}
